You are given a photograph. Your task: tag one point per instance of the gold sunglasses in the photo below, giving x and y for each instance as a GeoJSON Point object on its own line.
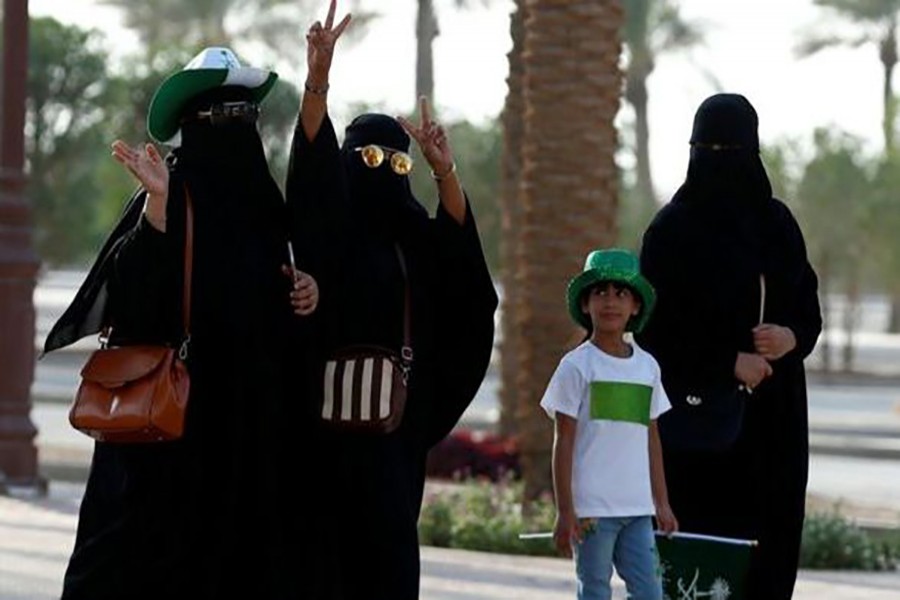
{"type": "Point", "coordinates": [373, 155]}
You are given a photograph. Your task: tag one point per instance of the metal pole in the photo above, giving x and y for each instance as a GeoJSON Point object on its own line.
{"type": "Point", "coordinates": [18, 265]}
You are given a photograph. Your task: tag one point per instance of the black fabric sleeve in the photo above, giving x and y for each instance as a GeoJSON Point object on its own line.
{"type": "Point", "coordinates": [465, 328]}
{"type": "Point", "coordinates": [691, 348]}
{"type": "Point", "coordinates": [317, 201]}
{"type": "Point", "coordinates": [806, 316]}
{"type": "Point", "coordinates": [145, 285]}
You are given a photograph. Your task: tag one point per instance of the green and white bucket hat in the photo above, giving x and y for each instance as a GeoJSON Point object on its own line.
{"type": "Point", "coordinates": [213, 67]}
{"type": "Point", "coordinates": [616, 265]}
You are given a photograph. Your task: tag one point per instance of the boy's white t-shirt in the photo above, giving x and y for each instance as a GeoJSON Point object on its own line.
{"type": "Point", "coordinates": [613, 399]}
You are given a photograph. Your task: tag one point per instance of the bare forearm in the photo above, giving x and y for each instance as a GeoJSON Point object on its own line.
{"type": "Point", "coordinates": [314, 106]}
{"type": "Point", "coordinates": [563, 449]}
{"type": "Point", "coordinates": [452, 197]}
{"type": "Point", "coordinates": [657, 469]}
{"type": "Point", "coordinates": [155, 210]}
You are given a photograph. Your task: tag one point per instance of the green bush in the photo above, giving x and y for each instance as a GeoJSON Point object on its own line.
{"type": "Point", "coordinates": [483, 516]}
{"type": "Point", "coordinates": [436, 522]}
{"type": "Point", "coordinates": [487, 517]}
{"type": "Point", "coordinates": [830, 541]}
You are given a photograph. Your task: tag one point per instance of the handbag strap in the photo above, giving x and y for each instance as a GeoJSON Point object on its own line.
{"type": "Point", "coordinates": [406, 352]}
{"type": "Point", "coordinates": [762, 298]}
{"type": "Point", "coordinates": [188, 272]}
{"type": "Point", "coordinates": [106, 332]}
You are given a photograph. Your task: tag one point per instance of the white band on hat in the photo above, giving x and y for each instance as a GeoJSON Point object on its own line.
{"type": "Point", "coordinates": [247, 77]}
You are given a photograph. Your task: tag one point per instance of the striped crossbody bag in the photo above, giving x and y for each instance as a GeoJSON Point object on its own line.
{"type": "Point", "coordinates": [365, 386]}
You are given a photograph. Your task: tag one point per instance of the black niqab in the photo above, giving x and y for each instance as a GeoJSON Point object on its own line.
{"type": "Point", "coordinates": [382, 201]}
{"type": "Point", "coordinates": [725, 168]}
{"type": "Point", "coordinates": [726, 181]}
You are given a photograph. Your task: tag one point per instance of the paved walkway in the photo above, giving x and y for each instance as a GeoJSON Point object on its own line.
{"type": "Point", "coordinates": [36, 536]}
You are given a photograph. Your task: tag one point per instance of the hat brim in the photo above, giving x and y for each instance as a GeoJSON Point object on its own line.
{"type": "Point", "coordinates": [635, 281]}
{"type": "Point", "coordinates": [172, 95]}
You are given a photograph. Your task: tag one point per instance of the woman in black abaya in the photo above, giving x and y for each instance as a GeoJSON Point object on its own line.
{"type": "Point", "coordinates": [373, 483]}
{"type": "Point", "coordinates": [198, 517]}
{"type": "Point", "coordinates": [704, 253]}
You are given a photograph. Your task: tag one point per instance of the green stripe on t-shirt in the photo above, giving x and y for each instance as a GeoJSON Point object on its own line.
{"type": "Point", "coordinates": [620, 401]}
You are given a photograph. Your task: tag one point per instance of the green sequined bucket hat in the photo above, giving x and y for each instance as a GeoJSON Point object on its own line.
{"type": "Point", "coordinates": [618, 266]}
{"type": "Point", "coordinates": [212, 68]}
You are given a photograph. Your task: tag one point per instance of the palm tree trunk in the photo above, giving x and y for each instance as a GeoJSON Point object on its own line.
{"type": "Point", "coordinates": [568, 192]}
{"type": "Point", "coordinates": [511, 211]}
{"type": "Point", "coordinates": [637, 96]}
{"type": "Point", "coordinates": [888, 56]}
{"type": "Point", "coordinates": [851, 321]}
{"type": "Point", "coordinates": [825, 295]}
{"type": "Point", "coordinates": [894, 308]}
{"type": "Point", "coordinates": [426, 32]}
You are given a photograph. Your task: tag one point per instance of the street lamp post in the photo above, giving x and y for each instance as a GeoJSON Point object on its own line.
{"type": "Point", "coordinates": [18, 265]}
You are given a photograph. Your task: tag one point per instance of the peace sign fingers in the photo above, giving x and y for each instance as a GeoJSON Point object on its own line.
{"type": "Point", "coordinates": [329, 20]}
{"type": "Point", "coordinates": [322, 39]}
{"type": "Point", "coordinates": [425, 113]}
{"type": "Point", "coordinates": [431, 138]}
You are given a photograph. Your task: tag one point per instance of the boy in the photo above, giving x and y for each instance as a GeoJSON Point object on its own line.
{"type": "Point", "coordinates": [605, 397]}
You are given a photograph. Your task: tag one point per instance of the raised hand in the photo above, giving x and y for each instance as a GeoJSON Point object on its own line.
{"type": "Point", "coordinates": [146, 164]}
{"type": "Point", "coordinates": [432, 140]}
{"type": "Point", "coordinates": [320, 42]}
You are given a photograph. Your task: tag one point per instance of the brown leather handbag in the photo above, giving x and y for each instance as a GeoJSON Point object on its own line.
{"type": "Point", "coordinates": [365, 387]}
{"type": "Point", "coordinates": [136, 394]}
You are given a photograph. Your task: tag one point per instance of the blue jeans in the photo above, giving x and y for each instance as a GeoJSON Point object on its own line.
{"type": "Point", "coordinates": [627, 543]}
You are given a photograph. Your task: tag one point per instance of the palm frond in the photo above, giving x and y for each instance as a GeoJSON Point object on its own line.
{"type": "Point", "coordinates": [672, 32]}
{"type": "Point", "coordinates": [863, 10]}
{"type": "Point", "coordinates": [813, 43]}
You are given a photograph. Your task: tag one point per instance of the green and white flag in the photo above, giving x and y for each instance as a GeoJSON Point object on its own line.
{"type": "Point", "coordinates": [702, 567]}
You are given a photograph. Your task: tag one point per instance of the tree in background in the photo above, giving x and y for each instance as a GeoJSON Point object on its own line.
{"type": "Point", "coordinates": [427, 30]}
{"type": "Point", "coordinates": [781, 159]}
{"type": "Point", "coordinates": [886, 223]}
{"type": "Point", "coordinates": [567, 192]}
{"type": "Point", "coordinates": [477, 150]}
{"type": "Point", "coordinates": [68, 91]}
{"type": "Point", "coordinates": [835, 209]}
{"type": "Point", "coordinates": [279, 24]}
{"type": "Point", "coordinates": [651, 28]}
{"type": "Point", "coordinates": [875, 23]}
{"type": "Point", "coordinates": [513, 123]}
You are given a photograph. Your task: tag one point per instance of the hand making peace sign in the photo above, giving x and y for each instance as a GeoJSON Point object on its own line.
{"type": "Point", "coordinates": [432, 140]}
{"type": "Point", "coordinates": [320, 42]}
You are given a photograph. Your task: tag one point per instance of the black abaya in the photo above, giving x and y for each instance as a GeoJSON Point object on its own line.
{"type": "Point", "coordinates": [704, 253]}
{"type": "Point", "coordinates": [373, 484]}
{"type": "Point", "coordinates": [198, 518]}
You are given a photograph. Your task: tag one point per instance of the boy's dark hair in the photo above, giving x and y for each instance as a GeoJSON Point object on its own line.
{"type": "Point", "coordinates": [616, 284]}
